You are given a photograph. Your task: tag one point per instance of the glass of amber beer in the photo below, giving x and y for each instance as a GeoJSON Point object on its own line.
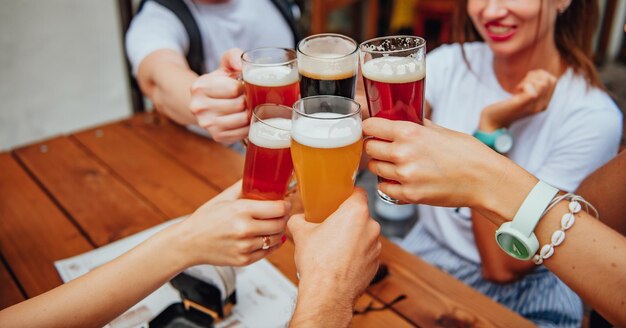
{"type": "Point", "coordinates": [268, 167]}
{"type": "Point", "coordinates": [326, 144]}
{"type": "Point", "coordinates": [394, 70]}
{"type": "Point", "coordinates": [270, 75]}
{"type": "Point", "coordinates": [328, 65]}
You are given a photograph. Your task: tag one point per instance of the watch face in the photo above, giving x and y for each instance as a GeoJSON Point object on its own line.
{"type": "Point", "coordinates": [512, 246]}
{"type": "Point", "coordinates": [504, 143]}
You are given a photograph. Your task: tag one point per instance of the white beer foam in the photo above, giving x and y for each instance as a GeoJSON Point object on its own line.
{"type": "Point", "coordinates": [273, 134]}
{"type": "Point", "coordinates": [271, 76]}
{"type": "Point", "coordinates": [394, 69]}
{"type": "Point", "coordinates": [326, 133]}
{"type": "Point", "coordinates": [327, 58]}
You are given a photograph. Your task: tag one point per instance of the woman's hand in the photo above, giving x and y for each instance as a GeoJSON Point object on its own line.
{"type": "Point", "coordinates": [229, 231]}
{"type": "Point", "coordinates": [441, 167]}
{"type": "Point", "coordinates": [218, 102]}
{"type": "Point", "coordinates": [532, 95]}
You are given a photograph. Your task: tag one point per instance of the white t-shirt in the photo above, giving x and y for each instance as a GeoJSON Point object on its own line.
{"type": "Point", "coordinates": [578, 132]}
{"type": "Point", "coordinates": [245, 24]}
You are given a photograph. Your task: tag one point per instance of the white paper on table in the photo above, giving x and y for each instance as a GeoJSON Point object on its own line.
{"type": "Point", "coordinates": [265, 297]}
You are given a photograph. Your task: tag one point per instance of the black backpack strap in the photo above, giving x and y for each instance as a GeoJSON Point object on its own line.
{"type": "Point", "coordinates": [195, 54]}
{"type": "Point", "coordinates": [286, 9]}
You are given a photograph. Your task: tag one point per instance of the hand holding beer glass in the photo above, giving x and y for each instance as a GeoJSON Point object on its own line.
{"type": "Point", "coordinates": [270, 75]}
{"type": "Point", "coordinates": [394, 70]}
{"type": "Point", "coordinates": [326, 145]}
{"type": "Point", "coordinates": [268, 167]}
{"type": "Point", "coordinates": [328, 65]}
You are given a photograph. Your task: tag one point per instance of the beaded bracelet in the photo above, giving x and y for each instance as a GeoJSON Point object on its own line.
{"type": "Point", "coordinates": [567, 221]}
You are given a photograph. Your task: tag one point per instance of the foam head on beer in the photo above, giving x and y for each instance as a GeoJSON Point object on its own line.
{"type": "Point", "coordinates": [392, 69]}
{"type": "Point", "coordinates": [328, 64]}
{"type": "Point", "coordinates": [272, 133]}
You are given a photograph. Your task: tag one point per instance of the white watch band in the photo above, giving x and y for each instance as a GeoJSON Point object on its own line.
{"type": "Point", "coordinates": [533, 207]}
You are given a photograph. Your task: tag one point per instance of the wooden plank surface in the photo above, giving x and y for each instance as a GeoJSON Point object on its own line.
{"type": "Point", "coordinates": [11, 293]}
{"type": "Point", "coordinates": [435, 298]}
{"type": "Point", "coordinates": [220, 166]}
{"type": "Point", "coordinates": [104, 206]}
{"type": "Point", "coordinates": [169, 186]}
{"type": "Point", "coordinates": [34, 232]}
{"type": "Point", "coordinates": [283, 260]}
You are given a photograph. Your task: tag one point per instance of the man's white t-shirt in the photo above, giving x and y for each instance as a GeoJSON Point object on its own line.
{"type": "Point", "coordinates": [245, 24]}
{"type": "Point", "coordinates": [578, 132]}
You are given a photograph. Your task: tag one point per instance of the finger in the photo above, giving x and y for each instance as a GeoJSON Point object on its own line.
{"type": "Point", "coordinates": [267, 241]}
{"type": "Point", "coordinates": [231, 135]}
{"type": "Point", "coordinates": [379, 128]}
{"type": "Point", "coordinates": [217, 106]}
{"type": "Point", "coordinates": [299, 227]}
{"type": "Point", "coordinates": [530, 89]}
{"type": "Point", "coordinates": [393, 190]}
{"type": "Point", "coordinates": [378, 149]}
{"type": "Point", "coordinates": [231, 60]}
{"type": "Point", "coordinates": [223, 122]}
{"type": "Point", "coordinates": [231, 193]}
{"type": "Point", "coordinates": [265, 209]}
{"type": "Point", "coordinates": [260, 254]}
{"type": "Point", "coordinates": [353, 208]}
{"type": "Point", "coordinates": [383, 169]}
{"type": "Point", "coordinates": [217, 85]}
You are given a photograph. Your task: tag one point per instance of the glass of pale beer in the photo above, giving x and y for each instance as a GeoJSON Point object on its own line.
{"type": "Point", "coordinates": [268, 167]}
{"type": "Point", "coordinates": [270, 75]}
{"type": "Point", "coordinates": [328, 65]}
{"type": "Point", "coordinates": [394, 70]}
{"type": "Point", "coordinates": [326, 145]}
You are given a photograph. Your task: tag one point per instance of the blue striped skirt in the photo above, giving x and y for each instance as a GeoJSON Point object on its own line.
{"type": "Point", "coordinates": [540, 296]}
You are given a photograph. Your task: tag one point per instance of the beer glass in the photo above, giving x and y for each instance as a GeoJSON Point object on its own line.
{"type": "Point", "coordinates": [270, 75]}
{"type": "Point", "coordinates": [326, 144]}
{"type": "Point", "coordinates": [268, 167]}
{"type": "Point", "coordinates": [394, 70]}
{"type": "Point", "coordinates": [328, 65]}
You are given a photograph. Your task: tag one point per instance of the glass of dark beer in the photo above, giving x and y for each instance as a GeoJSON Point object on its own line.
{"type": "Point", "coordinates": [328, 65]}
{"type": "Point", "coordinates": [394, 70]}
{"type": "Point", "coordinates": [270, 75]}
{"type": "Point", "coordinates": [268, 167]}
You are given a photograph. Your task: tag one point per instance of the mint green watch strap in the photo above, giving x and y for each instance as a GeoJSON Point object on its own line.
{"type": "Point", "coordinates": [531, 210]}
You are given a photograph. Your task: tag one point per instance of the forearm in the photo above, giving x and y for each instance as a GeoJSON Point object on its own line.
{"type": "Point", "coordinates": [101, 295]}
{"type": "Point", "coordinates": [607, 196]}
{"type": "Point", "coordinates": [166, 79]}
{"type": "Point", "coordinates": [590, 261]}
{"type": "Point", "coordinates": [496, 265]}
{"type": "Point", "coordinates": [321, 307]}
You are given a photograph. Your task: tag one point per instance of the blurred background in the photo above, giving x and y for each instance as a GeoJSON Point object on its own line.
{"type": "Point", "coordinates": [63, 69]}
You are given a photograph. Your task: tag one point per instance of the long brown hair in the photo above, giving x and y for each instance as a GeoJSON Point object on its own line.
{"type": "Point", "coordinates": [573, 35]}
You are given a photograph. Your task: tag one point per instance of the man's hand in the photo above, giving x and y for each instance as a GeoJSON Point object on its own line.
{"type": "Point", "coordinates": [218, 102]}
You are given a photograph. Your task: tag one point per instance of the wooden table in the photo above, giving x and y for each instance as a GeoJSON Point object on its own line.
{"type": "Point", "coordinates": [70, 194]}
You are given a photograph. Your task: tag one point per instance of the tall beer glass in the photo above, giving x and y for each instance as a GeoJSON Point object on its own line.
{"type": "Point", "coordinates": [394, 70]}
{"type": "Point", "coordinates": [268, 167]}
{"type": "Point", "coordinates": [326, 144]}
{"type": "Point", "coordinates": [328, 65]}
{"type": "Point", "coordinates": [270, 75]}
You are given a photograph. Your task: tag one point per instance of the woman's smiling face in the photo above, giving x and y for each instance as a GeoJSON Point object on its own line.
{"type": "Point", "coordinates": [510, 27]}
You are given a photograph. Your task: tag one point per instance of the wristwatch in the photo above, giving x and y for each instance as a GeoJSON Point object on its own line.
{"type": "Point", "coordinates": [499, 140]}
{"type": "Point", "coordinates": [517, 237]}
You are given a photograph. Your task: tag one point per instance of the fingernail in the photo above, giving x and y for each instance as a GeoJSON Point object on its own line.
{"type": "Point", "coordinates": [283, 239]}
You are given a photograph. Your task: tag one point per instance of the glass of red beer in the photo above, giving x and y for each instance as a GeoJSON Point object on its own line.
{"type": "Point", "coordinates": [268, 167]}
{"type": "Point", "coordinates": [394, 70]}
{"type": "Point", "coordinates": [270, 76]}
